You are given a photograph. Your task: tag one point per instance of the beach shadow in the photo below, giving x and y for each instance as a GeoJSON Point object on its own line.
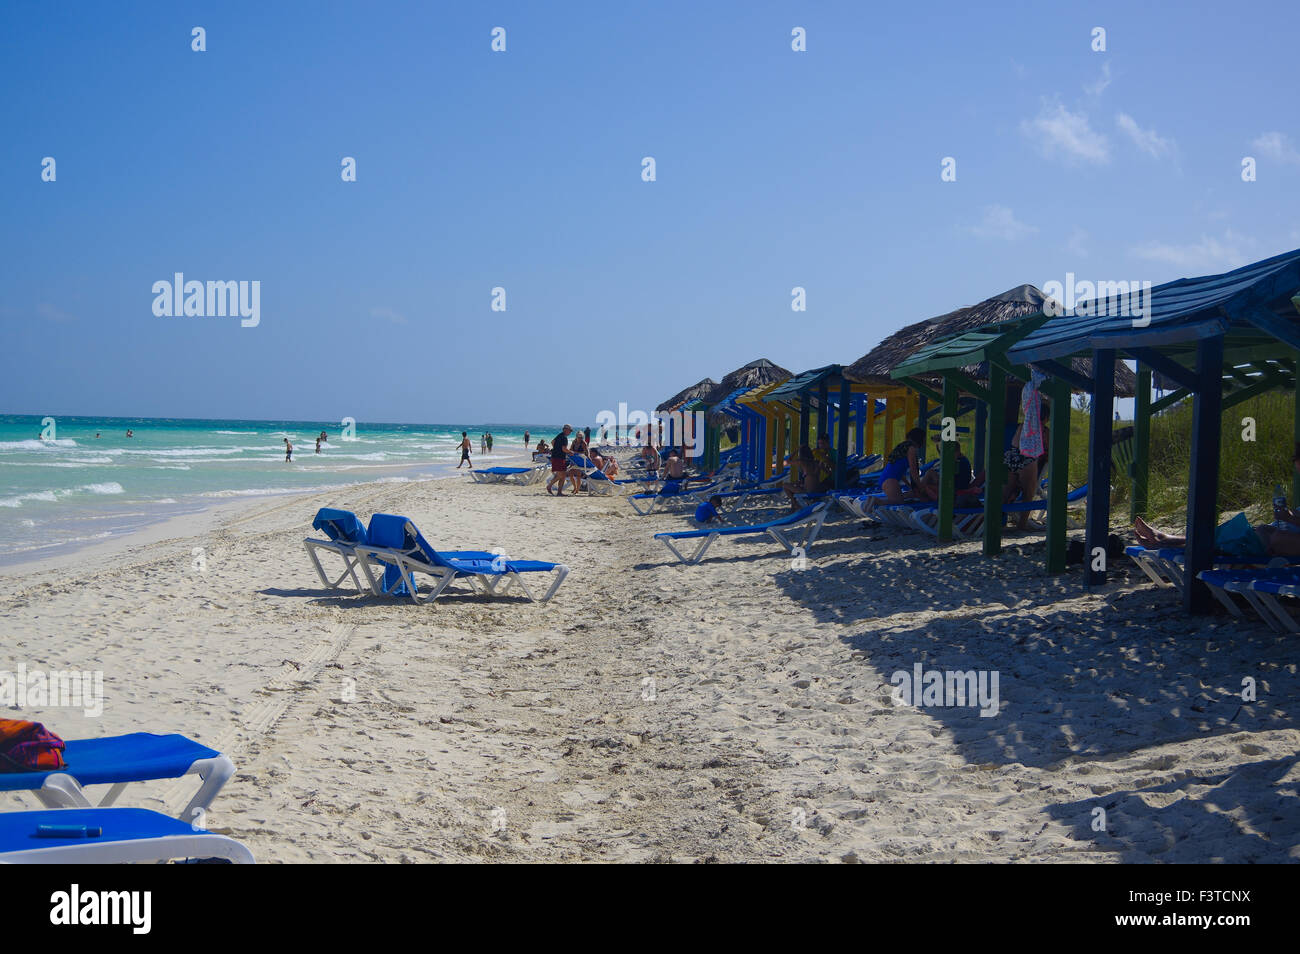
{"type": "Point", "coordinates": [1245, 815]}
{"type": "Point", "coordinates": [353, 600]}
{"type": "Point", "coordinates": [1095, 678]}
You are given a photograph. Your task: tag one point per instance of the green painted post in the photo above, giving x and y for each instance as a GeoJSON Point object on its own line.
{"type": "Point", "coordinates": [995, 468]}
{"type": "Point", "coordinates": [947, 459]}
{"type": "Point", "coordinates": [1141, 443]}
{"type": "Point", "coordinates": [1058, 465]}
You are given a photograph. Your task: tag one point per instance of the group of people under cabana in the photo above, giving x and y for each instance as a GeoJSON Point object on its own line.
{"type": "Point", "coordinates": [1026, 438]}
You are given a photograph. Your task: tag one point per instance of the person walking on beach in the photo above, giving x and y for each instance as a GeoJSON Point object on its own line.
{"type": "Point", "coordinates": [489, 440]}
{"type": "Point", "coordinates": [465, 445]}
{"type": "Point", "coordinates": [288, 451]}
{"type": "Point", "coordinates": [559, 460]}
{"type": "Point", "coordinates": [526, 435]}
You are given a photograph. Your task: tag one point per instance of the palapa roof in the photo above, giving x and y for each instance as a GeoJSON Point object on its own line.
{"type": "Point", "coordinates": [697, 390]}
{"type": "Point", "coordinates": [875, 366]}
{"type": "Point", "coordinates": [755, 374]}
{"type": "Point", "coordinates": [971, 328]}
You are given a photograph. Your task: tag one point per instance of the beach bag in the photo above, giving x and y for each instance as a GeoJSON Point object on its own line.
{"type": "Point", "coordinates": [1238, 538]}
{"type": "Point", "coordinates": [29, 747]}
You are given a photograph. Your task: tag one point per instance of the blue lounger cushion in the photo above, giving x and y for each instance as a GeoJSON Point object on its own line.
{"type": "Point", "coordinates": [341, 526]}
{"type": "Point", "coordinates": [138, 757]}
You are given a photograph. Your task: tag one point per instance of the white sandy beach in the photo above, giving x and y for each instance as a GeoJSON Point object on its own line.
{"type": "Point", "coordinates": [734, 711]}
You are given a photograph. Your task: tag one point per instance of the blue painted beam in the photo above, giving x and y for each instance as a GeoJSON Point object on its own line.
{"type": "Point", "coordinates": [1180, 374]}
{"type": "Point", "coordinates": [1067, 374]}
{"type": "Point", "coordinates": [1099, 445]}
{"type": "Point", "coordinates": [1203, 487]}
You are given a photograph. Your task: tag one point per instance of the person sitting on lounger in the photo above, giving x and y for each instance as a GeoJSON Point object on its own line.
{"type": "Point", "coordinates": [803, 476]}
{"type": "Point", "coordinates": [675, 468]}
{"type": "Point", "coordinates": [964, 482]}
{"type": "Point", "coordinates": [825, 464]}
{"type": "Point", "coordinates": [902, 462]}
{"type": "Point", "coordinates": [651, 460]}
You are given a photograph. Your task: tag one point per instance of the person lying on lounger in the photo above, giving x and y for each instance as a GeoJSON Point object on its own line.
{"type": "Point", "coordinates": [1279, 538]}
{"type": "Point", "coordinates": [902, 462]}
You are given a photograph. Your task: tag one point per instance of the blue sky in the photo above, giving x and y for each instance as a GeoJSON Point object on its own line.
{"type": "Point", "coordinates": [522, 170]}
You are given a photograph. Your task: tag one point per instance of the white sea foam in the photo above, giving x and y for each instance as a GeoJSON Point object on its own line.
{"type": "Point", "coordinates": [108, 487]}
{"type": "Point", "coordinates": [36, 444]}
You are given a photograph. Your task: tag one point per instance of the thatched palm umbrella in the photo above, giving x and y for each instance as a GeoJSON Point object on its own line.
{"type": "Point", "coordinates": [753, 375]}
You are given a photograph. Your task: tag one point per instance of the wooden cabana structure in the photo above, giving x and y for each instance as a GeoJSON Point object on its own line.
{"type": "Point", "coordinates": [974, 364]}
{"type": "Point", "coordinates": [725, 405]}
{"type": "Point", "coordinates": [1220, 338]}
{"type": "Point", "coordinates": [912, 403]}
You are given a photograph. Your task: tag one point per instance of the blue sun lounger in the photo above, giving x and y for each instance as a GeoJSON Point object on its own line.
{"type": "Point", "coordinates": [108, 836]}
{"type": "Point", "coordinates": [344, 531]}
{"type": "Point", "coordinates": [396, 546]}
{"type": "Point", "coordinates": [1261, 588]}
{"type": "Point", "coordinates": [969, 521]}
{"type": "Point", "coordinates": [119, 760]}
{"type": "Point", "coordinates": [1164, 566]}
{"type": "Point", "coordinates": [780, 530]}
{"type": "Point", "coordinates": [676, 493]}
{"type": "Point", "coordinates": [497, 475]}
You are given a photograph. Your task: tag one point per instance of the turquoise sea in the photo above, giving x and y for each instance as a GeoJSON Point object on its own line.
{"type": "Point", "coordinates": [73, 481]}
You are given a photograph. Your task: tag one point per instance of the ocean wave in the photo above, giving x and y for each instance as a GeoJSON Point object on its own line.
{"type": "Point", "coordinates": [37, 444]}
{"type": "Point", "coordinates": [234, 432]}
{"type": "Point", "coordinates": [108, 487]}
{"type": "Point", "coordinates": [53, 496]}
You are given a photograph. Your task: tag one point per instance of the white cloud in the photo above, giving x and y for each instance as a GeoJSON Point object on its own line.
{"type": "Point", "coordinates": [999, 222]}
{"type": "Point", "coordinates": [1056, 130]}
{"type": "Point", "coordinates": [1147, 140]}
{"type": "Point", "coordinates": [1099, 87]}
{"type": "Point", "coordinates": [1207, 255]}
{"type": "Point", "coordinates": [388, 313]}
{"type": "Point", "coordinates": [1276, 145]}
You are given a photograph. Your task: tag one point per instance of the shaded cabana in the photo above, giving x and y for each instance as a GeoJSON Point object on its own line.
{"type": "Point", "coordinates": [975, 364]}
{"type": "Point", "coordinates": [1220, 338]}
{"type": "Point", "coordinates": [827, 391]}
{"type": "Point", "coordinates": [874, 370]}
{"type": "Point", "coordinates": [725, 407]}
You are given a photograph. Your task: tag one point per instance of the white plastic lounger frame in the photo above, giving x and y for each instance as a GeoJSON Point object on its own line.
{"type": "Point", "coordinates": [964, 525]}
{"type": "Point", "coordinates": [345, 550]}
{"type": "Point", "coordinates": [812, 525]}
{"type": "Point", "coordinates": [61, 790]}
{"type": "Point", "coordinates": [683, 498]}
